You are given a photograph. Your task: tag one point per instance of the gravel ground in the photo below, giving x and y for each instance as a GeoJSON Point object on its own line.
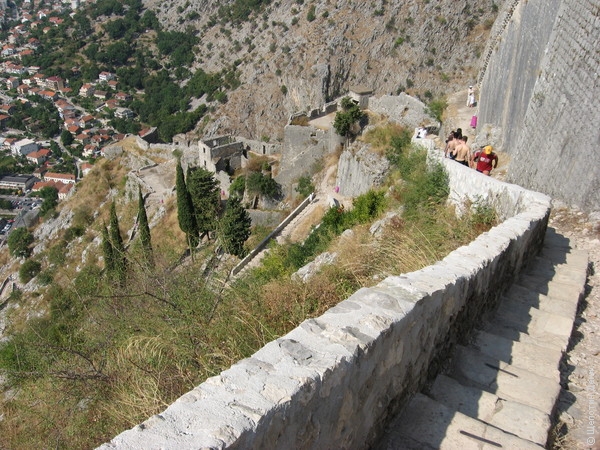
{"type": "Point", "coordinates": [578, 424]}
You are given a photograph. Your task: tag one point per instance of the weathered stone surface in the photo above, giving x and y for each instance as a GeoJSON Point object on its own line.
{"type": "Point", "coordinates": [546, 58]}
{"type": "Point", "coordinates": [333, 381]}
{"type": "Point", "coordinates": [513, 417]}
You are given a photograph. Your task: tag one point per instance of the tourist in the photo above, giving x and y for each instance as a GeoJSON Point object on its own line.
{"type": "Point", "coordinates": [462, 152]}
{"type": "Point", "coordinates": [470, 92]}
{"type": "Point", "coordinates": [486, 160]}
{"type": "Point", "coordinates": [471, 100]}
{"type": "Point", "coordinates": [451, 144]}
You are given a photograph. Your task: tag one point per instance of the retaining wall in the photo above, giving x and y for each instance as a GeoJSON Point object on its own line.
{"type": "Point", "coordinates": [333, 381]}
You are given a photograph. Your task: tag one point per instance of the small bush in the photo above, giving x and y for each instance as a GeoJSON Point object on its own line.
{"type": "Point", "coordinates": [305, 186]}
{"type": "Point", "coordinates": [74, 232]}
{"type": "Point", "coordinates": [436, 108]}
{"type": "Point", "coordinates": [29, 269]}
{"type": "Point", "coordinates": [238, 186]}
{"type": "Point", "coordinates": [310, 16]}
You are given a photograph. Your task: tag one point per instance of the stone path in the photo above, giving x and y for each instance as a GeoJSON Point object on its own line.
{"type": "Point", "coordinates": [500, 390]}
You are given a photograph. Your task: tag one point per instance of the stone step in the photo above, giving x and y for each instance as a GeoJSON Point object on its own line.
{"type": "Point", "coordinates": [561, 287]}
{"type": "Point", "coordinates": [427, 424]}
{"type": "Point", "coordinates": [522, 297]}
{"type": "Point", "coordinates": [535, 322]}
{"type": "Point", "coordinates": [533, 358]}
{"type": "Point", "coordinates": [500, 391]}
{"type": "Point", "coordinates": [510, 416]}
{"type": "Point", "coordinates": [472, 368]}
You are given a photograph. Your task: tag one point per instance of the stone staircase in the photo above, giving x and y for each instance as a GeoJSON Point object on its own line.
{"type": "Point", "coordinates": [501, 389]}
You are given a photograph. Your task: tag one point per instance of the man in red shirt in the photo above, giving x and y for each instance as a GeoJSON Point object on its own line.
{"type": "Point", "coordinates": [486, 160]}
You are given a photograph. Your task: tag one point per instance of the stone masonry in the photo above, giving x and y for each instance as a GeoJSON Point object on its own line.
{"type": "Point", "coordinates": [541, 87]}
{"type": "Point", "coordinates": [335, 380]}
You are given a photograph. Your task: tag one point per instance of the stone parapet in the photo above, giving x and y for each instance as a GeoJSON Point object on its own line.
{"type": "Point", "coordinates": [334, 381]}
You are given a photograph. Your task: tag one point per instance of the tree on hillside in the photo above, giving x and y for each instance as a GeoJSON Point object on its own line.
{"type": "Point", "coordinates": [107, 251]}
{"type": "Point", "coordinates": [259, 184]}
{"type": "Point", "coordinates": [50, 196]}
{"type": "Point", "coordinates": [117, 244]}
{"type": "Point", "coordinates": [66, 138]}
{"type": "Point", "coordinates": [29, 269]}
{"type": "Point", "coordinates": [345, 119]}
{"type": "Point", "coordinates": [144, 230]}
{"type": "Point", "coordinates": [234, 228]}
{"type": "Point", "coordinates": [185, 210]}
{"type": "Point", "coordinates": [205, 194]}
{"type": "Point", "coordinates": [19, 241]}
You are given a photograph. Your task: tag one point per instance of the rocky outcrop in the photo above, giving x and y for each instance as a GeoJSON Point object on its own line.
{"type": "Point", "coordinates": [388, 46]}
{"type": "Point", "coordinates": [359, 170]}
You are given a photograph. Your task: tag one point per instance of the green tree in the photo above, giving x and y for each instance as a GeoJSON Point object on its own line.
{"type": "Point", "coordinates": [234, 228]}
{"type": "Point", "coordinates": [347, 117]}
{"type": "Point", "coordinates": [185, 210]}
{"type": "Point", "coordinates": [238, 186]}
{"type": "Point", "coordinates": [305, 186]}
{"type": "Point", "coordinates": [117, 244]}
{"type": "Point", "coordinates": [29, 269]}
{"type": "Point", "coordinates": [259, 184]}
{"type": "Point", "coordinates": [107, 251]}
{"type": "Point", "coordinates": [144, 230]}
{"type": "Point", "coordinates": [50, 196]}
{"type": "Point", "coordinates": [205, 194]}
{"type": "Point", "coordinates": [66, 138]}
{"type": "Point", "coordinates": [19, 241]}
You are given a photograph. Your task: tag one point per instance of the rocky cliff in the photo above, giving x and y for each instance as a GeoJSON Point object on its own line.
{"type": "Point", "coordinates": [290, 61]}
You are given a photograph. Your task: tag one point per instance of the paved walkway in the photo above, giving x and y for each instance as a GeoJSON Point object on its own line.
{"type": "Point", "coordinates": [501, 389]}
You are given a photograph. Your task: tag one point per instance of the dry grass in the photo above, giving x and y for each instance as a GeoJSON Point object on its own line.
{"type": "Point", "coordinates": [380, 138]}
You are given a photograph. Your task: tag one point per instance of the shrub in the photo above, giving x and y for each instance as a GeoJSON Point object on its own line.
{"type": "Point", "coordinates": [305, 186]}
{"type": "Point", "coordinates": [436, 108]}
{"type": "Point", "coordinates": [238, 186]}
{"type": "Point", "coordinates": [74, 232]}
{"type": "Point", "coordinates": [310, 16]}
{"type": "Point", "coordinates": [29, 269]}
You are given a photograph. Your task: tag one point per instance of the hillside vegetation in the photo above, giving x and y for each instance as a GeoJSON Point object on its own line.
{"type": "Point", "coordinates": [208, 67]}
{"type": "Point", "coordinates": [93, 357]}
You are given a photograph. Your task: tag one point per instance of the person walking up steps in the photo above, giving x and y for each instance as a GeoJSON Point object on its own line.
{"type": "Point", "coordinates": [462, 152]}
{"type": "Point", "coordinates": [486, 160]}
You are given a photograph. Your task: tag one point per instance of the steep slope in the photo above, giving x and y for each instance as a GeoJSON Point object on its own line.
{"type": "Point", "coordinates": [293, 56]}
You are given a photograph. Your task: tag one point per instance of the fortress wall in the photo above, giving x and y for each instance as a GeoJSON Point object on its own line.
{"type": "Point", "coordinates": [333, 381]}
{"type": "Point", "coordinates": [302, 148]}
{"type": "Point", "coordinates": [541, 87]}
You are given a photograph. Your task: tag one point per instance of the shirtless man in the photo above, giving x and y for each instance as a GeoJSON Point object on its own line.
{"type": "Point", "coordinates": [451, 145]}
{"type": "Point", "coordinates": [462, 152]}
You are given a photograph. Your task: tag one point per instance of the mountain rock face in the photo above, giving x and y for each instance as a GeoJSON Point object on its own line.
{"type": "Point", "coordinates": [296, 55]}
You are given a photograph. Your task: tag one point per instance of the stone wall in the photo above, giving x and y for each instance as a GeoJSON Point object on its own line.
{"type": "Point", "coordinates": [403, 109]}
{"type": "Point", "coordinates": [541, 89]}
{"type": "Point", "coordinates": [360, 170]}
{"type": "Point", "coordinates": [302, 148]}
{"type": "Point", "coordinates": [333, 381]}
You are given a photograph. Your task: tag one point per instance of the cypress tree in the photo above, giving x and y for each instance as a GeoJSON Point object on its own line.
{"type": "Point", "coordinates": [234, 227]}
{"type": "Point", "coordinates": [205, 193]}
{"type": "Point", "coordinates": [185, 209]}
{"type": "Point", "coordinates": [107, 250]}
{"type": "Point", "coordinates": [144, 230]}
{"type": "Point", "coordinates": [117, 244]}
